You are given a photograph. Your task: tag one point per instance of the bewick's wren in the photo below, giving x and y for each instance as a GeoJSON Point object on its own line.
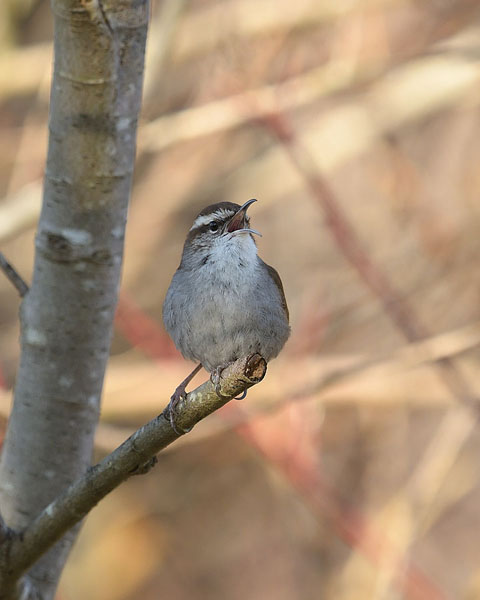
{"type": "Point", "coordinates": [224, 302]}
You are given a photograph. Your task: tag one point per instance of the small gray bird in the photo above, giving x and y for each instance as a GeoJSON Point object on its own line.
{"type": "Point", "coordinates": [224, 302]}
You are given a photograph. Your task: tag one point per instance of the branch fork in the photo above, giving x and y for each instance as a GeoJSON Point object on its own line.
{"type": "Point", "coordinates": [21, 549]}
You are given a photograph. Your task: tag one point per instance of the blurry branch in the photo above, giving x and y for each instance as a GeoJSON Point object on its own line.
{"type": "Point", "coordinates": [349, 243]}
{"type": "Point", "coordinates": [225, 114]}
{"type": "Point", "coordinates": [22, 69]}
{"type": "Point", "coordinates": [432, 83]}
{"type": "Point", "coordinates": [198, 31]}
{"type": "Point", "coordinates": [416, 506]}
{"type": "Point", "coordinates": [345, 379]}
{"type": "Point", "coordinates": [33, 131]}
{"type": "Point", "coordinates": [20, 211]}
{"type": "Point", "coordinates": [142, 331]}
{"type": "Point", "coordinates": [330, 379]}
{"type": "Point", "coordinates": [303, 471]}
{"type": "Point", "coordinates": [12, 14]}
{"type": "Point", "coordinates": [439, 346]}
{"type": "Point", "coordinates": [460, 421]}
{"type": "Point", "coordinates": [134, 456]}
{"type": "Point", "coordinates": [161, 33]}
{"type": "Point", "coordinates": [394, 377]}
{"type": "Point", "coordinates": [353, 127]}
{"type": "Point", "coordinates": [185, 34]}
{"type": "Point", "coordinates": [217, 23]}
{"type": "Point", "coordinates": [438, 460]}
{"type": "Point", "coordinates": [13, 276]}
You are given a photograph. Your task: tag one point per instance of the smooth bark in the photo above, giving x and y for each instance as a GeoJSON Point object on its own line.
{"type": "Point", "coordinates": [67, 315]}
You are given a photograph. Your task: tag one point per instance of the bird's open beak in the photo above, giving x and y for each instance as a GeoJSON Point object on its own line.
{"type": "Point", "coordinates": [238, 221]}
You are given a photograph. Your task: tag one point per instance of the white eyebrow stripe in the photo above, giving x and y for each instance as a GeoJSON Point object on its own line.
{"type": "Point", "coordinates": [205, 219]}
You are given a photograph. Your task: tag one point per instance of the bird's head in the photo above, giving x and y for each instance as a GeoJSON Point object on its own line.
{"type": "Point", "coordinates": [220, 227]}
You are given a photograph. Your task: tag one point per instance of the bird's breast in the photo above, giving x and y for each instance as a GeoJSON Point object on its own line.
{"type": "Point", "coordinates": [226, 307]}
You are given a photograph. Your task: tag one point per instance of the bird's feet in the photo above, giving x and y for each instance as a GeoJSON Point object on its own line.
{"type": "Point", "coordinates": [215, 378]}
{"type": "Point", "coordinates": [179, 394]}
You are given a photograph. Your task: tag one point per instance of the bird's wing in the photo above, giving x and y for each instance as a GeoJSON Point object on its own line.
{"type": "Point", "coordinates": [276, 278]}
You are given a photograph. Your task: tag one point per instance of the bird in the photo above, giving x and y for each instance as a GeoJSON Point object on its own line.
{"type": "Point", "coordinates": [224, 302]}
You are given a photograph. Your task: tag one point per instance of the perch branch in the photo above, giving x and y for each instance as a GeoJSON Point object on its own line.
{"type": "Point", "coordinates": [13, 276]}
{"type": "Point", "coordinates": [134, 456]}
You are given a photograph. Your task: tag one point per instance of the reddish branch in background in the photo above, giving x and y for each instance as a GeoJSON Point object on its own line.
{"type": "Point", "coordinates": [352, 248]}
{"type": "Point", "coordinates": [297, 458]}
{"type": "Point", "coordinates": [299, 465]}
{"type": "Point", "coordinates": [142, 331]}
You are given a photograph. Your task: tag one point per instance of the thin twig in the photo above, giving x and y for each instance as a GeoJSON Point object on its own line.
{"type": "Point", "coordinates": [13, 276]}
{"type": "Point", "coordinates": [131, 458]}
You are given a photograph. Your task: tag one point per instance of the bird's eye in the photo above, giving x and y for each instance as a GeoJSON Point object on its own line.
{"type": "Point", "coordinates": [213, 225]}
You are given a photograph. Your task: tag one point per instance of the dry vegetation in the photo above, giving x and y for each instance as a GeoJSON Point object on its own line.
{"type": "Point", "coordinates": [349, 473]}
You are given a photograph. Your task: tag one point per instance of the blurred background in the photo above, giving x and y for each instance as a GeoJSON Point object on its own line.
{"type": "Point", "coordinates": [351, 472]}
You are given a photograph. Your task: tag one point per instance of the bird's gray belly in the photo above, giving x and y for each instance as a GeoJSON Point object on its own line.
{"type": "Point", "coordinates": [223, 324]}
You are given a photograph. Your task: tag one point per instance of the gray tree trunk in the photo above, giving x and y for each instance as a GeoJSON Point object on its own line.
{"type": "Point", "coordinates": [67, 315]}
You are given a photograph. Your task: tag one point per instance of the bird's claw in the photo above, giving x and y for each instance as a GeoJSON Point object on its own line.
{"type": "Point", "coordinates": [215, 379]}
{"type": "Point", "coordinates": [179, 394]}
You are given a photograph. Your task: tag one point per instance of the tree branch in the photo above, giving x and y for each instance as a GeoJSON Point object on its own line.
{"type": "Point", "coordinates": [13, 276]}
{"type": "Point", "coordinates": [22, 550]}
{"type": "Point", "coordinates": [67, 315]}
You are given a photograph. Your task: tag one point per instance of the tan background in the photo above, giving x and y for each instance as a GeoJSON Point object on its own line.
{"type": "Point", "coordinates": [351, 472]}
